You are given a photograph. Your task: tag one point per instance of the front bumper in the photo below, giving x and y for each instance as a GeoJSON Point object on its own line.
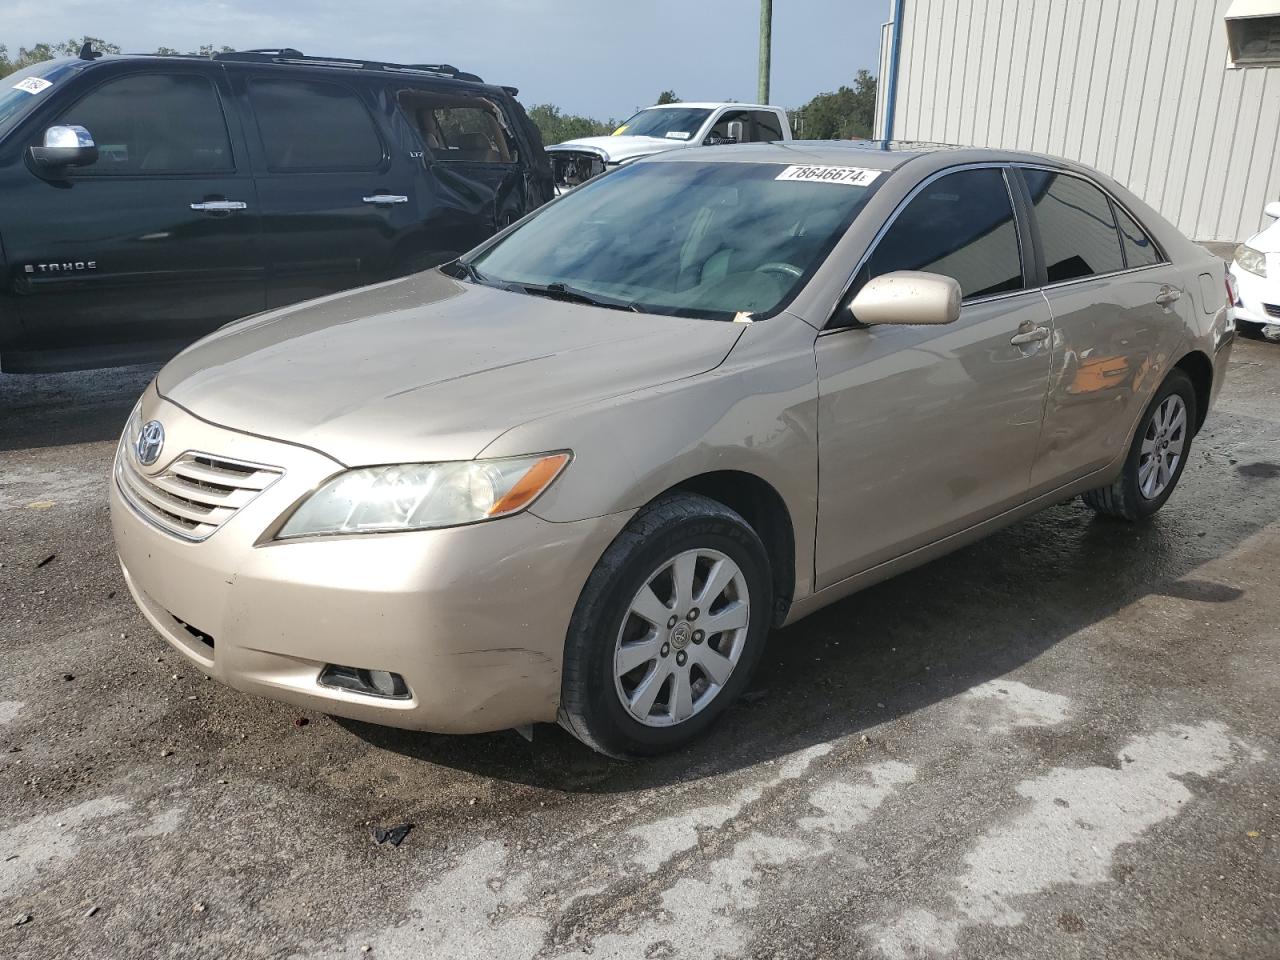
{"type": "Point", "coordinates": [1257, 294]}
{"type": "Point", "coordinates": [473, 618]}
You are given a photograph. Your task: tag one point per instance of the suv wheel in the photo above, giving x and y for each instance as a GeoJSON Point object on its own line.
{"type": "Point", "coordinates": [667, 630]}
{"type": "Point", "coordinates": [1157, 457]}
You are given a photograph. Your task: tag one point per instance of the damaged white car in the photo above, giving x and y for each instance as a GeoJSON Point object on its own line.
{"type": "Point", "coordinates": [667, 126]}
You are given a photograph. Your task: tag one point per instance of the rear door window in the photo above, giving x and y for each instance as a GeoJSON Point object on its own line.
{"type": "Point", "coordinates": [1139, 250]}
{"type": "Point", "coordinates": [460, 129]}
{"type": "Point", "coordinates": [768, 127]}
{"type": "Point", "coordinates": [1077, 227]}
{"type": "Point", "coordinates": [310, 125]}
{"type": "Point", "coordinates": [962, 226]}
{"type": "Point", "coordinates": [154, 124]}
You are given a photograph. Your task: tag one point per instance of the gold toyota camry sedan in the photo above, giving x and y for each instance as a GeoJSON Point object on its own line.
{"type": "Point", "coordinates": [580, 473]}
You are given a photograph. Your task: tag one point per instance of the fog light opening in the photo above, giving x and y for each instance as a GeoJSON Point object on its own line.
{"type": "Point", "coordinates": [370, 683]}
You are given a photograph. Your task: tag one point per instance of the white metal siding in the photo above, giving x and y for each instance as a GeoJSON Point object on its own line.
{"type": "Point", "coordinates": [1139, 89]}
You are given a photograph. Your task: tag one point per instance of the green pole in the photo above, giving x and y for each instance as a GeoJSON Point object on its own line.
{"type": "Point", "coordinates": [766, 44]}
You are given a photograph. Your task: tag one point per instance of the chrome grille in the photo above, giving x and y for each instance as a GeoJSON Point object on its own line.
{"type": "Point", "coordinates": [195, 494]}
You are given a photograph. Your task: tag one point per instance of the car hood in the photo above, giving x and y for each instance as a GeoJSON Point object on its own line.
{"type": "Point", "coordinates": [428, 368]}
{"type": "Point", "coordinates": [1268, 241]}
{"type": "Point", "coordinates": [617, 149]}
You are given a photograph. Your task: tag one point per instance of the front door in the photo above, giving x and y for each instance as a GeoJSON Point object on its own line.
{"type": "Point", "coordinates": [153, 245]}
{"type": "Point", "coordinates": [926, 431]}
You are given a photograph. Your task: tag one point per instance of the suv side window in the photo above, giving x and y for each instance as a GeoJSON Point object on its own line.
{"type": "Point", "coordinates": [961, 225]}
{"type": "Point", "coordinates": [767, 127]}
{"type": "Point", "coordinates": [455, 128]}
{"type": "Point", "coordinates": [310, 125]}
{"type": "Point", "coordinates": [154, 124]}
{"type": "Point", "coordinates": [1077, 229]}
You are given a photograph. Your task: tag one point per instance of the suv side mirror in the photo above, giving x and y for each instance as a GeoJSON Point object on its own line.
{"type": "Point", "coordinates": [907, 297]}
{"type": "Point", "coordinates": [65, 146]}
{"type": "Point", "coordinates": [1272, 210]}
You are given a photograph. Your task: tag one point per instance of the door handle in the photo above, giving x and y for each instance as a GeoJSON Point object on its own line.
{"type": "Point", "coordinates": [219, 206]}
{"type": "Point", "coordinates": [1034, 335]}
{"type": "Point", "coordinates": [386, 199]}
{"type": "Point", "coordinates": [1168, 296]}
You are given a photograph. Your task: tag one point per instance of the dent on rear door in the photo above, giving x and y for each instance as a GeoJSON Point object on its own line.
{"type": "Point", "coordinates": [462, 201]}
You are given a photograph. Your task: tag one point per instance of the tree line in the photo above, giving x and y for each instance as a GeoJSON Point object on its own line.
{"type": "Point", "coordinates": [842, 114]}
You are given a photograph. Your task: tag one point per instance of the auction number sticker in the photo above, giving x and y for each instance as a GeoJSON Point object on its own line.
{"type": "Point", "coordinates": [849, 176]}
{"type": "Point", "coordinates": [32, 85]}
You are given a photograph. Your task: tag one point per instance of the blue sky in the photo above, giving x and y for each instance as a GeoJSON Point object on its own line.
{"type": "Point", "coordinates": [599, 57]}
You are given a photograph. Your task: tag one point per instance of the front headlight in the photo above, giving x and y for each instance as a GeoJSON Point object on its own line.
{"type": "Point", "coordinates": [1255, 261]}
{"type": "Point", "coordinates": [423, 496]}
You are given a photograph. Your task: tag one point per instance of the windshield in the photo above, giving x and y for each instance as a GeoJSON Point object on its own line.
{"type": "Point", "coordinates": [21, 91]}
{"type": "Point", "coordinates": [670, 123]}
{"type": "Point", "coordinates": [699, 239]}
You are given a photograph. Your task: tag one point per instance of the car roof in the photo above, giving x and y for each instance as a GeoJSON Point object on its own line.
{"type": "Point", "coordinates": [872, 154]}
{"type": "Point", "coordinates": [709, 105]}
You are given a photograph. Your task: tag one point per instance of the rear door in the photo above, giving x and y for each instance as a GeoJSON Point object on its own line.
{"type": "Point", "coordinates": [1116, 305]}
{"type": "Point", "coordinates": [473, 162]}
{"type": "Point", "coordinates": [335, 201]}
{"type": "Point", "coordinates": [155, 244]}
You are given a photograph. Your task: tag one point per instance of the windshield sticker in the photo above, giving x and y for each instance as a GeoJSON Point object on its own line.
{"type": "Point", "coordinates": [32, 85]}
{"type": "Point", "coordinates": [619, 131]}
{"type": "Point", "coordinates": [678, 134]}
{"type": "Point", "coordinates": [849, 176]}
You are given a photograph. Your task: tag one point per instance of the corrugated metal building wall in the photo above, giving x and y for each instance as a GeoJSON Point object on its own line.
{"type": "Point", "coordinates": [1140, 89]}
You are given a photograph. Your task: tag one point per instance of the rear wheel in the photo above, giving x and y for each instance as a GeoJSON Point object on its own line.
{"type": "Point", "coordinates": [667, 629]}
{"type": "Point", "coordinates": [1157, 457]}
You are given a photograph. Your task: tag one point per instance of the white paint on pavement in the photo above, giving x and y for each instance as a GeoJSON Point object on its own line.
{"type": "Point", "coordinates": [1015, 705]}
{"type": "Point", "coordinates": [9, 710]}
{"type": "Point", "coordinates": [47, 840]}
{"type": "Point", "coordinates": [1075, 821]}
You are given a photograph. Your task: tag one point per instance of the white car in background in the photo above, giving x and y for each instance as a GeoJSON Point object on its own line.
{"type": "Point", "coordinates": [1255, 274]}
{"type": "Point", "coordinates": [667, 126]}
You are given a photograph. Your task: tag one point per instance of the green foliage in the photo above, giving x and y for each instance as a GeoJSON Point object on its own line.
{"type": "Point", "coordinates": [557, 127]}
{"type": "Point", "coordinates": [667, 96]}
{"type": "Point", "coordinates": [38, 53]}
{"type": "Point", "coordinates": [848, 113]}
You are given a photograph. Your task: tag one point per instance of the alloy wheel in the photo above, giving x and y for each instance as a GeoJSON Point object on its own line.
{"type": "Point", "coordinates": [1162, 447]}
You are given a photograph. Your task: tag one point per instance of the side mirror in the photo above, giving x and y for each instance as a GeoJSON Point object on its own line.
{"type": "Point", "coordinates": [907, 297]}
{"type": "Point", "coordinates": [65, 146]}
{"type": "Point", "coordinates": [737, 130]}
{"type": "Point", "coordinates": [1272, 210]}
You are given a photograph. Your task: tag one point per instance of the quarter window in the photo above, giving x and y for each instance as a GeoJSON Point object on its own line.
{"type": "Point", "coordinates": [768, 128]}
{"type": "Point", "coordinates": [1077, 228]}
{"type": "Point", "coordinates": [310, 125]}
{"type": "Point", "coordinates": [962, 226]}
{"type": "Point", "coordinates": [1139, 251]}
{"type": "Point", "coordinates": [154, 124]}
{"type": "Point", "coordinates": [460, 128]}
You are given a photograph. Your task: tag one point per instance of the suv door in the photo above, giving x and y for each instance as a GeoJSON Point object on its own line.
{"type": "Point", "coordinates": [335, 201]}
{"type": "Point", "coordinates": [152, 246]}
{"type": "Point", "coordinates": [926, 431]}
{"type": "Point", "coordinates": [473, 161]}
{"type": "Point", "coordinates": [1115, 302]}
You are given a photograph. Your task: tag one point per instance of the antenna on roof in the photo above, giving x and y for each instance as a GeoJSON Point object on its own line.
{"type": "Point", "coordinates": [88, 53]}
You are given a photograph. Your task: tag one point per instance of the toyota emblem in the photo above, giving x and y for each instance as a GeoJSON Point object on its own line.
{"type": "Point", "coordinates": [149, 443]}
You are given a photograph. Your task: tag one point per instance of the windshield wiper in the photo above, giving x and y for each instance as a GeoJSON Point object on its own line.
{"type": "Point", "coordinates": [558, 291]}
{"type": "Point", "coordinates": [472, 274]}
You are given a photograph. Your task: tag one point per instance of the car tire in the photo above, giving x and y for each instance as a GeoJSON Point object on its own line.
{"type": "Point", "coordinates": [604, 696]}
{"type": "Point", "coordinates": [1168, 423]}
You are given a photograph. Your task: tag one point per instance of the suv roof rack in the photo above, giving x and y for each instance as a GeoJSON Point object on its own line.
{"type": "Point", "coordinates": [290, 55]}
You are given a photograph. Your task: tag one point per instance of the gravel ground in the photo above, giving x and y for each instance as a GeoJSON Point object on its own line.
{"type": "Point", "coordinates": [1061, 742]}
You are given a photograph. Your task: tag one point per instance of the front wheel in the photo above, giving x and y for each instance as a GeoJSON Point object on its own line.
{"type": "Point", "coordinates": [1157, 457]}
{"type": "Point", "coordinates": [667, 630]}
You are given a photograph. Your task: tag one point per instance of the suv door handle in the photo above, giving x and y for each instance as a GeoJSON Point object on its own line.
{"type": "Point", "coordinates": [1034, 335]}
{"type": "Point", "coordinates": [386, 199]}
{"type": "Point", "coordinates": [219, 206]}
{"type": "Point", "coordinates": [1168, 296]}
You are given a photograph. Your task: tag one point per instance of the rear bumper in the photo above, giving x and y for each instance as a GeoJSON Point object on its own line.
{"type": "Point", "coordinates": [473, 618]}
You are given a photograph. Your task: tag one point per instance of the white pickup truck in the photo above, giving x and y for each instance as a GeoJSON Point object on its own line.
{"type": "Point", "coordinates": [668, 126]}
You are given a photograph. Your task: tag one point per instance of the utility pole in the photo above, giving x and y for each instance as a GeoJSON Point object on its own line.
{"type": "Point", "coordinates": [766, 45]}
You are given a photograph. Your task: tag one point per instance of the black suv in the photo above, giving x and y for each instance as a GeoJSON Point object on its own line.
{"type": "Point", "coordinates": [145, 201]}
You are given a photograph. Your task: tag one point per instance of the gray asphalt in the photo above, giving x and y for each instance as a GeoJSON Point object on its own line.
{"type": "Point", "coordinates": [1061, 742]}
